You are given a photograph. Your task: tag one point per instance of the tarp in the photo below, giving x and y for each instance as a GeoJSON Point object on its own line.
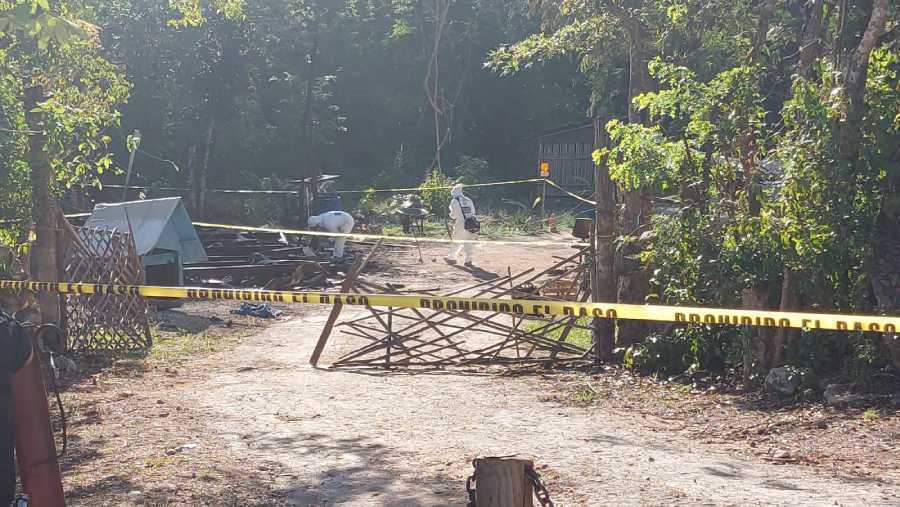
{"type": "Point", "coordinates": [162, 224]}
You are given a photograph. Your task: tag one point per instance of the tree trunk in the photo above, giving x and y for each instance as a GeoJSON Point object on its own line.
{"type": "Point", "coordinates": [637, 68]}
{"type": "Point", "coordinates": [634, 282]}
{"type": "Point", "coordinates": [45, 207]}
{"type": "Point", "coordinates": [788, 302]}
{"type": "Point", "coordinates": [204, 169]}
{"type": "Point", "coordinates": [837, 44]}
{"type": "Point", "coordinates": [433, 90]}
{"type": "Point", "coordinates": [762, 30]}
{"type": "Point", "coordinates": [753, 299]}
{"type": "Point", "coordinates": [747, 142]}
{"type": "Point", "coordinates": [603, 274]}
{"type": "Point", "coordinates": [855, 82]}
{"type": "Point", "coordinates": [811, 42]}
{"type": "Point", "coordinates": [306, 119]}
{"type": "Point", "coordinates": [501, 482]}
{"type": "Point", "coordinates": [193, 197]}
{"type": "Point", "coordinates": [748, 161]}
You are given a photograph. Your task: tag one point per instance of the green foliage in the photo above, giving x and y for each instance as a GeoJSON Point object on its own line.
{"type": "Point", "coordinates": [506, 223]}
{"type": "Point", "coordinates": [37, 20]}
{"type": "Point", "coordinates": [687, 349]}
{"type": "Point", "coordinates": [190, 12]}
{"type": "Point", "coordinates": [472, 170]}
{"type": "Point", "coordinates": [581, 336]}
{"type": "Point", "coordinates": [583, 394]}
{"type": "Point", "coordinates": [642, 158]}
{"type": "Point", "coordinates": [767, 169]}
{"type": "Point", "coordinates": [48, 44]}
{"type": "Point", "coordinates": [436, 194]}
{"type": "Point", "coordinates": [687, 259]}
{"type": "Point", "coordinates": [369, 203]}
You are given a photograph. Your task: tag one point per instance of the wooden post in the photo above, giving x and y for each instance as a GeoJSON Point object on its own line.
{"type": "Point", "coordinates": [314, 193]}
{"type": "Point", "coordinates": [62, 239]}
{"type": "Point", "coordinates": [501, 482]}
{"type": "Point", "coordinates": [302, 215]}
{"type": "Point", "coordinates": [346, 287]}
{"type": "Point", "coordinates": [390, 337]}
{"type": "Point", "coordinates": [603, 275]}
{"type": "Point", "coordinates": [751, 301]}
{"type": "Point", "coordinates": [544, 199]}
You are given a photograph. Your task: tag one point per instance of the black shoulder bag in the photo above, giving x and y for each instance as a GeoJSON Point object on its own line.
{"type": "Point", "coordinates": [471, 223]}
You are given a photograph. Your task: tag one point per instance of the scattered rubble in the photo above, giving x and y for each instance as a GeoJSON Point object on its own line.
{"type": "Point", "coordinates": [261, 310]}
{"type": "Point", "coordinates": [840, 395]}
{"type": "Point", "coordinates": [783, 380]}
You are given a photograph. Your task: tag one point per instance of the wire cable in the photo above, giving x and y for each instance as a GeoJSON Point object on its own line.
{"type": "Point", "coordinates": [62, 411]}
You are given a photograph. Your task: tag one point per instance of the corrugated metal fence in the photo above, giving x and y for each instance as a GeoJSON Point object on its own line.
{"type": "Point", "coordinates": [571, 166]}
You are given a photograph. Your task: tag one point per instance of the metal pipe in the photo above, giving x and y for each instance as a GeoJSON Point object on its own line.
{"type": "Point", "coordinates": [134, 142]}
{"type": "Point", "coordinates": [35, 449]}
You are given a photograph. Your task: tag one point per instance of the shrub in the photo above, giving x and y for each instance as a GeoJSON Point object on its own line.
{"type": "Point", "coordinates": [687, 349]}
{"type": "Point", "coordinates": [435, 197]}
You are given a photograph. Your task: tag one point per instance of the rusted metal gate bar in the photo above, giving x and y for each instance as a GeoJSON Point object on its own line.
{"type": "Point", "coordinates": [431, 337]}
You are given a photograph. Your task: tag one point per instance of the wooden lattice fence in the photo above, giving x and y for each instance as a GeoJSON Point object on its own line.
{"type": "Point", "coordinates": [408, 337]}
{"type": "Point", "coordinates": [103, 321]}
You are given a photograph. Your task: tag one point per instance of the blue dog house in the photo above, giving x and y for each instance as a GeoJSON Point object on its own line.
{"type": "Point", "coordinates": [163, 234]}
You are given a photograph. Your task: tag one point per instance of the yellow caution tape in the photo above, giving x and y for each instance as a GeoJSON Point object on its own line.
{"type": "Point", "coordinates": [570, 194]}
{"type": "Point", "coordinates": [420, 189]}
{"type": "Point", "coordinates": [208, 190]}
{"type": "Point", "coordinates": [687, 315]}
{"type": "Point", "coordinates": [369, 237]}
{"type": "Point", "coordinates": [20, 220]}
{"type": "Point", "coordinates": [296, 192]}
{"type": "Point", "coordinates": [374, 190]}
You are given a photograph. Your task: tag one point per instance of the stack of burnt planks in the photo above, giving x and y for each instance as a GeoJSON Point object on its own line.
{"type": "Point", "coordinates": [257, 259]}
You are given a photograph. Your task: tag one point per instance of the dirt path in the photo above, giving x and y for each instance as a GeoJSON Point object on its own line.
{"type": "Point", "coordinates": [344, 438]}
{"type": "Point", "coordinates": [257, 425]}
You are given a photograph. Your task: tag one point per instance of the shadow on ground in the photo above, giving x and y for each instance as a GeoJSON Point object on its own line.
{"type": "Point", "coordinates": [356, 470]}
{"type": "Point", "coordinates": [226, 487]}
{"type": "Point", "coordinates": [477, 272]}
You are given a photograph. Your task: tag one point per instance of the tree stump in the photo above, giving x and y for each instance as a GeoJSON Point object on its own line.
{"type": "Point", "coordinates": [501, 482]}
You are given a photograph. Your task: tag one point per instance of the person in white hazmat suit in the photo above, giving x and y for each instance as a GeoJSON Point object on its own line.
{"type": "Point", "coordinates": [461, 207]}
{"type": "Point", "coordinates": [334, 221]}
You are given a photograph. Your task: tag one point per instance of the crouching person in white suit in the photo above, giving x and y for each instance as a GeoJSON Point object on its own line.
{"type": "Point", "coordinates": [334, 221]}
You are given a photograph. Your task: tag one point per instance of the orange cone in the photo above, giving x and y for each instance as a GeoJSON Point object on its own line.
{"type": "Point", "coordinates": [551, 222]}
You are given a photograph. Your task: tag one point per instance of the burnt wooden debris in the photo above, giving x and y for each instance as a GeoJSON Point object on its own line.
{"type": "Point", "coordinates": [409, 338]}
{"type": "Point", "coordinates": [258, 259]}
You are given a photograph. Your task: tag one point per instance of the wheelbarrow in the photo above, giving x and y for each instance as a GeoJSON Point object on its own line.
{"type": "Point", "coordinates": [413, 222]}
